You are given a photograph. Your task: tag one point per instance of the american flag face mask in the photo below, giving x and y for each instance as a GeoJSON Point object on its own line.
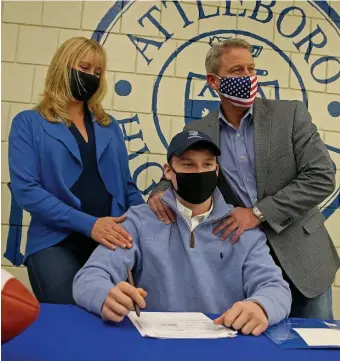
{"type": "Point", "coordinates": [240, 91]}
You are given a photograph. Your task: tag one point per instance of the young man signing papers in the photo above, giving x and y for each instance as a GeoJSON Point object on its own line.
{"type": "Point", "coordinates": [182, 266]}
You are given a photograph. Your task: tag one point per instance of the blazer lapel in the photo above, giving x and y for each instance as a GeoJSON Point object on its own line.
{"type": "Point", "coordinates": [103, 136]}
{"type": "Point", "coordinates": [261, 145]}
{"type": "Point", "coordinates": [62, 133]}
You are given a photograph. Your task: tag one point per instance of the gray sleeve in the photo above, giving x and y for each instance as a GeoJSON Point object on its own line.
{"type": "Point", "coordinates": [315, 180]}
{"type": "Point", "coordinates": [163, 185]}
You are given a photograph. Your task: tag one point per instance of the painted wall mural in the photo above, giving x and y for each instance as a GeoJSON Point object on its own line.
{"type": "Point", "coordinates": [168, 90]}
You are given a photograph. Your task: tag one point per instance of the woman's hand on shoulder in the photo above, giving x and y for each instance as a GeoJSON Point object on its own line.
{"type": "Point", "coordinates": [110, 233]}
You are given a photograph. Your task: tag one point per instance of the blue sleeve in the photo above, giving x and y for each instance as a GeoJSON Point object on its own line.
{"type": "Point", "coordinates": [106, 268]}
{"type": "Point", "coordinates": [263, 281]}
{"type": "Point", "coordinates": [133, 196]}
{"type": "Point", "coordinates": [28, 190]}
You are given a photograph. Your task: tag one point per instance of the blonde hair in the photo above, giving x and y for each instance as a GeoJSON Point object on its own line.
{"type": "Point", "coordinates": [57, 95]}
{"type": "Point", "coordinates": [212, 60]}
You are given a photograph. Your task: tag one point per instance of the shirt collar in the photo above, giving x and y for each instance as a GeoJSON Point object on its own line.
{"type": "Point", "coordinates": [220, 210]}
{"type": "Point", "coordinates": [247, 117]}
{"type": "Point", "coordinates": [187, 213]}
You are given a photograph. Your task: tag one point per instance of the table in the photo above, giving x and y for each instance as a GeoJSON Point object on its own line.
{"type": "Point", "coordinates": [69, 333]}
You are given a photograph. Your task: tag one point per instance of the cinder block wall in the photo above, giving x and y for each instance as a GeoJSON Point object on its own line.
{"type": "Point", "coordinates": [156, 72]}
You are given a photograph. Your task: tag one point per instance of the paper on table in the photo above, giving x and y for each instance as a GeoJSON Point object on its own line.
{"type": "Point", "coordinates": [319, 336]}
{"type": "Point", "coordinates": [178, 325]}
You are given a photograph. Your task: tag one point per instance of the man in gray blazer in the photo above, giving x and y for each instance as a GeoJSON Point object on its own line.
{"type": "Point", "coordinates": [275, 171]}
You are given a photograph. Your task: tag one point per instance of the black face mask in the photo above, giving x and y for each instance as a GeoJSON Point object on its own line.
{"type": "Point", "coordinates": [83, 85]}
{"type": "Point", "coordinates": [196, 188]}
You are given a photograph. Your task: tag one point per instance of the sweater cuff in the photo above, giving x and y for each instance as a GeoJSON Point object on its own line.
{"type": "Point", "coordinates": [100, 294]}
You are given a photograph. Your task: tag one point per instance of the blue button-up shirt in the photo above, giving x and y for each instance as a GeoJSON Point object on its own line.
{"type": "Point", "coordinates": [237, 157]}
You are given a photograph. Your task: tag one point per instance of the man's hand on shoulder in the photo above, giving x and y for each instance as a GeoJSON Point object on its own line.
{"type": "Point", "coordinates": [238, 221]}
{"type": "Point", "coordinates": [162, 211]}
{"type": "Point", "coordinates": [245, 316]}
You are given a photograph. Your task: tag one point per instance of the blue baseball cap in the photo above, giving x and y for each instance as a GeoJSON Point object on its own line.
{"type": "Point", "coordinates": [184, 140]}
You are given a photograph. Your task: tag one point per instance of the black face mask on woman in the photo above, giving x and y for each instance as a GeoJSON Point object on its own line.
{"type": "Point", "coordinates": [83, 85]}
{"type": "Point", "coordinates": [196, 188]}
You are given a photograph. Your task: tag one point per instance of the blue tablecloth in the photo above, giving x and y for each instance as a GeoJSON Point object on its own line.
{"type": "Point", "coordinates": [68, 333]}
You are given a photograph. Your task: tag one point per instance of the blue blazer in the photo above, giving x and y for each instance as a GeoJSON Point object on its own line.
{"type": "Point", "coordinates": [44, 163]}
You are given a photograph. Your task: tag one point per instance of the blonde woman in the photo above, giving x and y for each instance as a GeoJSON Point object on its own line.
{"type": "Point", "coordinates": [69, 170]}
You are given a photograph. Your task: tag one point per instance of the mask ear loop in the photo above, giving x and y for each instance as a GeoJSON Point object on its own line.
{"type": "Point", "coordinates": [218, 77]}
{"type": "Point", "coordinates": [80, 82]}
{"type": "Point", "coordinates": [72, 70]}
{"type": "Point", "coordinates": [171, 168]}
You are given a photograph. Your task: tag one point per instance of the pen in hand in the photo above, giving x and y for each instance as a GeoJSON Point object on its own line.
{"type": "Point", "coordinates": [132, 283]}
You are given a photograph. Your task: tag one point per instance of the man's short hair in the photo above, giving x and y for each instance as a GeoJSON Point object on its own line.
{"type": "Point", "coordinates": [213, 58]}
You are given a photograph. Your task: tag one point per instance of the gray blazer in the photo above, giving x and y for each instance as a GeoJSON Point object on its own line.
{"type": "Point", "coordinates": [294, 173]}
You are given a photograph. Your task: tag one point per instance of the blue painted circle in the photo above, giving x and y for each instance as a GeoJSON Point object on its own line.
{"type": "Point", "coordinates": [123, 88]}
{"type": "Point", "coordinates": [209, 34]}
{"type": "Point", "coordinates": [334, 109]}
{"type": "Point", "coordinates": [116, 11]}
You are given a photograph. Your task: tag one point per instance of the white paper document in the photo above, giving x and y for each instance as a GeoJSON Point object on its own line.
{"type": "Point", "coordinates": [178, 325]}
{"type": "Point", "coordinates": [319, 336]}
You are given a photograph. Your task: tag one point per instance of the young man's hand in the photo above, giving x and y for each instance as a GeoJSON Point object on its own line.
{"type": "Point", "coordinates": [119, 301]}
{"type": "Point", "coordinates": [245, 316]}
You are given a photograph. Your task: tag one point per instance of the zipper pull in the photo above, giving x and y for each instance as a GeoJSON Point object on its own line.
{"type": "Point", "coordinates": [192, 240]}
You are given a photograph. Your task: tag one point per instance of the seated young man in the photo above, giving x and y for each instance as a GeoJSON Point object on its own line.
{"type": "Point", "coordinates": [183, 266]}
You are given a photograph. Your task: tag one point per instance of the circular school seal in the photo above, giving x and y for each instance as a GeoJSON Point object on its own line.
{"type": "Point", "coordinates": [156, 53]}
{"type": "Point", "coordinates": [160, 74]}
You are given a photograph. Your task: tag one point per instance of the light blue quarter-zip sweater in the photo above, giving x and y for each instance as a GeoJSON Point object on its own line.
{"type": "Point", "coordinates": [186, 271]}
